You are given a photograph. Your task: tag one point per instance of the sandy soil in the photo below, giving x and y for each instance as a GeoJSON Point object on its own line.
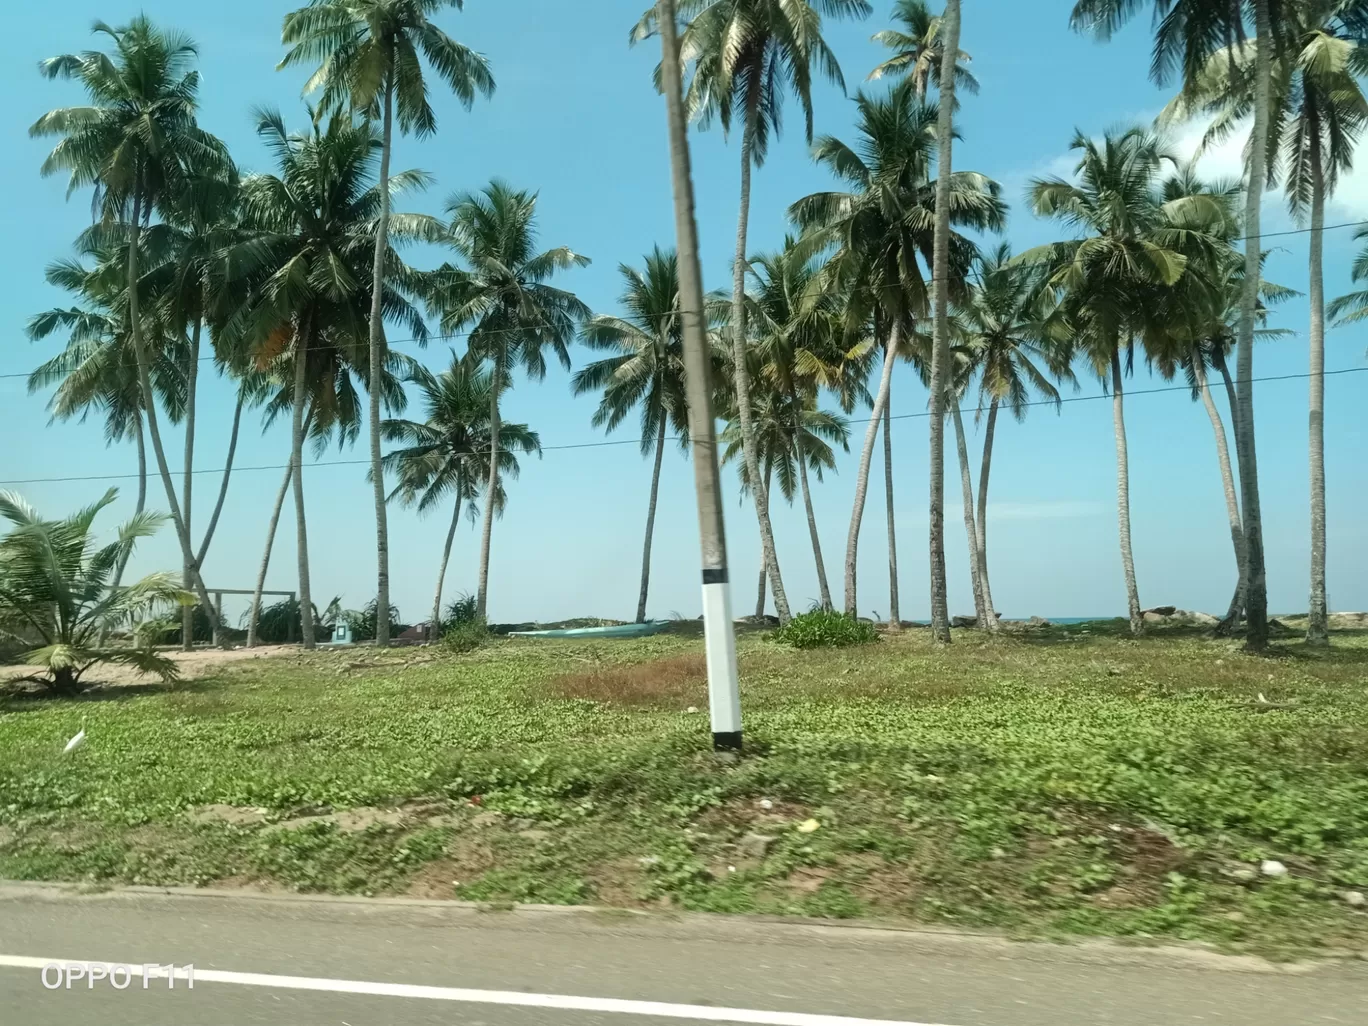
{"type": "Point", "coordinates": [192, 664]}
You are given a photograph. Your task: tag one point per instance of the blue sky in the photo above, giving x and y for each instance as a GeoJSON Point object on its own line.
{"type": "Point", "coordinates": [576, 118]}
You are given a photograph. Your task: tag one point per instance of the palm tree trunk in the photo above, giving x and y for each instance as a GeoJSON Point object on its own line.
{"type": "Point", "coordinates": [377, 365]}
{"type": "Point", "coordinates": [255, 616]}
{"type": "Point", "coordinates": [822, 586]}
{"type": "Point", "coordinates": [981, 521]}
{"type": "Point", "coordinates": [894, 613]}
{"type": "Point", "coordinates": [940, 346]}
{"type": "Point", "coordinates": [650, 521]}
{"type": "Point", "coordinates": [741, 372]}
{"type": "Point", "coordinates": [187, 485]}
{"type": "Point", "coordinates": [967, 503]}
{"type": "Point", "coordinates": [223, 485]}
{"type": "Point", "coordinates": [760, 597]}
{"type": "Point", "coordinates": [150, 408]}
{"type": "Point", "coordinates": [487, 530]}
{"type": "Point", "coordinates": [142, 496]}
{"type": "Point", "coordinates": [301, 376]}
{"type": "Point", "coordinates": [436, 630]}
{"type": "Point", "coordinates": [1317, 626]}
{"type": "Point", "coordinates": [1256, 587]}
{"type": "Point", "coordinates": [1228, 484]}
{"type": "Point", "coordinates": [867, 457]}
{"type": "Point", "coordinates": [1137, 621]}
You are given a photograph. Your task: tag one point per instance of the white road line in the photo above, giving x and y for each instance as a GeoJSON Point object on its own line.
{"type": "Point", "coordinates": [562, 1002]}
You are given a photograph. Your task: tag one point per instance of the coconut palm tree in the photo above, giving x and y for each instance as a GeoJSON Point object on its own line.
{"type": "Point", "coordinates": [501, 294]}
{"type": "Point", "coordinates": [941, 372]}
{"type": "Point", "coordinates": [138, 145]}
{"type": "Point", "coordinates": [96, 370]}
{"type": "Point", "coordinates": [370, 56]}
{"type": "Point", "coordinates": [742, 54]}
{"type": "Point", "coordinates": [1187, 32]}
{"type": "Point", "coordinates": [1009, 342]}
{"type": "Point", "coordinates": [877, 232]}
{"type": "Point", "coordinates": [447, 453]}
{"type": "Point", "coordinates": [646, 370]}
{"type": "Point", "coordinates": [1318, 111]}
{"type": "Point", "coordinates": [308, 230]}
{"type": "Point", "coordinates": [917, 50]}
{"type": "Point", "coordinates": [797, 336]}
{"type": "Point", "coordinates": [795, 439]}
{"type": "Point", "coordinates": [1112, 280]}
{"type": "Point", "coordinates": [54, 585]}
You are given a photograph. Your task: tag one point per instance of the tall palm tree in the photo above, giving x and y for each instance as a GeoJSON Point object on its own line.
{"type": "Point", "coordinates": [1187, 32]}
{"type": "Point", "coordinates": [370, 57]}
{"type": "Point", "coordinates": [646, 370]}
{"type": "Point", "coordinates": [797, 338]}
{"type": "Point", "coordinates": [1113, 278]}
{"type": "Point", "coordinates": [795, 439]}
{"type": "Point", "coordinates": [941, 372]}
{"type": "Point", "coordinates": [1318, 111]}
{"type": "Point", "coordinates": [1009, 342]}
{"type": "Point", "coordinates": [447, 453]}
{"type": "Point", "coordinates": [501, 294]}
{"type": "Point", "coordinates": [138, 144]}
{"type": "Point", "coordinates": [876, 234]}
{"type": "Point", "coordinates": [308, 231]}
{"type": "Point", "coordinates": [96, 371]}
{"type": "Point", "coordinates": [917, 50]}
{"type": "Point", "coordinates": [742, 54]}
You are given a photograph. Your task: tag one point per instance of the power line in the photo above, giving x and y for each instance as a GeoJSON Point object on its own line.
{"type": "Point", "coordinates": [927, 282]}
{"type": "Point", "coordinates": [607, 443]}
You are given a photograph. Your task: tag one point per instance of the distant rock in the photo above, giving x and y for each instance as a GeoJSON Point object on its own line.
{"type": "Point", "coordinates": [1162, 610]}
{"type": "Point", "coordinates": [1205, 619]}
{"type": "Point", "coordinates": [1038, 621]}
{"type": "Point", "coordinates": [1153, 616]}
{"type": "Point", "coordinates": [964, 621]}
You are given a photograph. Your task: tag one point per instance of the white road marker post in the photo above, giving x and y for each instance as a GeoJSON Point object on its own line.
{"type": "Point", "coordinates": [724, 696]}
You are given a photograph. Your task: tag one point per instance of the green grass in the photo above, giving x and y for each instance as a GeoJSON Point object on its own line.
{"type": "Point", "coordinates": [1067, 782]}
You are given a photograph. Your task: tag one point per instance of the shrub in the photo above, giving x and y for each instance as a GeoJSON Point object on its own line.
{"type": "Point", "coordinates": [464, 637]}
{"type": "Point", "coordinates": [460, 612]}
{"type": "Point", "coordinates": [362, 622]}
{"type": "Point", "coordinates": [819, 628]}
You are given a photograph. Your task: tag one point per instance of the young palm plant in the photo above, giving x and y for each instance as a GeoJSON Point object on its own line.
{"type": "Point", "coordinates": [445, 457]}
{"type": "Point", "coordinates": [501, 294]}
{"type": "Point", "coordinates": [138, 144]}
{"type": "Point", "coordinates": [646, 370]}
{"type": "Point", "coordinates": [742, 53]}
{"type": "Point", "coordinates": [370, 56]}
{"type": "Point", "coordinates": [55, 589]}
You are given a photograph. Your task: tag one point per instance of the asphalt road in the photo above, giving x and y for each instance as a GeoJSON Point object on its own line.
{"type": "Point", "coordinates": [367, 963]}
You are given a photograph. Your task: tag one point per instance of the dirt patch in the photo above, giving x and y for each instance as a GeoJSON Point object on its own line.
{"type": "Point", "coordinates": [678, 681]}
{"type": "Point", "coordinates": [466, 859]}
{"type": "Point", "coordinates": [619, 883]}
{"type": "Point", "coordinates": [751, 816]}
{"type": "Point", "coordinates": [192, 665]}
{"type": "Point", "coordinates": [808, 880]}
{"type": "Point", "coordinates": [233, 815]}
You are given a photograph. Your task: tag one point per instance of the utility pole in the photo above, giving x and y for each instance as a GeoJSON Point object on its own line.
{"type": "Point", "coordinates": [724, 697]}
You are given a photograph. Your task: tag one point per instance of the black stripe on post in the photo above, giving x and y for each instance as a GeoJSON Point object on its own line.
{"type": "Point", "coordinates": [718, 576]}
{"type": "Point", "coordinates": [727, 741]}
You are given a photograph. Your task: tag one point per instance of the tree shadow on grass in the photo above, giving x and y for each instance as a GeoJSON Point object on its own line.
{"type": "Point", "coordinates": [32, 697]}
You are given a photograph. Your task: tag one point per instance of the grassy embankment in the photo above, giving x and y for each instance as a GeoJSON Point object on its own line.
{"type": "Point", "coordinates": [1068, 781]}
